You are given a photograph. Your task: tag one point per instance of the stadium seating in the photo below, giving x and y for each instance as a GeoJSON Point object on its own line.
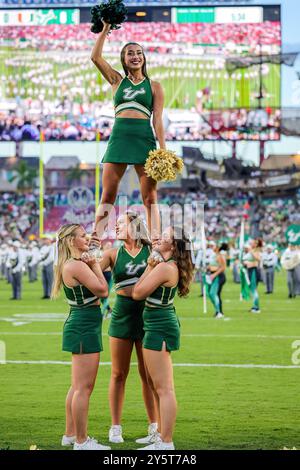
{"type": "Point", "coordinates": [52, 216]}
{"type": "Point", "coordinates": [250, 34]}
{"type": "Point", "coordinates": [223, 214]}
{"type": "Point", "coordinates": [18, 214]}
{"type": "Point", "coordinates": [83, 129]}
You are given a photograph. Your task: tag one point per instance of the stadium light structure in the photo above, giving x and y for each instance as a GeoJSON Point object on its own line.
{"type": "Point", "coordinates": [290, 121]}
{"type": "Point", "coordinates": [235, 63]}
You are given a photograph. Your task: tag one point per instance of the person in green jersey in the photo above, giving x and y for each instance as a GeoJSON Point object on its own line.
{"type": "Point", "coordinates": [158, 285]}
{"type": "Point", "coordinates": [83, 284]}
{"type": "Point", "coordinates": [251, 260]}
{"type": "Point", "coordinates": [136, 100]}
{"type": "Point", "coordinates": [127, 264]}
{"type": "Point", "coordinates": [215, 275]}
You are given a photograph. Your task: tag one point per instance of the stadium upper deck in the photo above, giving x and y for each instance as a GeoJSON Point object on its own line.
{"type": "Point", "coordinates": [26, 3]}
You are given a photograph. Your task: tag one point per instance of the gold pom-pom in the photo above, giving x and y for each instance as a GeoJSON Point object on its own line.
{"type": "Point", "coordinates": [163, 165]}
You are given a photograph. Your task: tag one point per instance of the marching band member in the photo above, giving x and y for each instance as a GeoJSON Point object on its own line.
{"type": "Point", "coordinates": [269, 262]}
{"type": "Point", "coordinates": [46, 262]}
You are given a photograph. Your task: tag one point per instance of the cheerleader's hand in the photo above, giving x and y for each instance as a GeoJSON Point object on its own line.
{"type": "Point", "coordinates": [152, 262]}
{"type": "Point", "coordinates": [106, 26]}
{"type": "Point", "coordinates": [154, 259]}
{"type": "Point", "coordinates": [88, 259]}
{"type": "Point", "coordinates": [95, 241]}
{"type": "Point", "coordinates": [155, 244]}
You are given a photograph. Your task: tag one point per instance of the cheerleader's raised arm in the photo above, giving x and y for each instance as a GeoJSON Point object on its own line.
{"type": "Point", "coordinates": [112, 76]}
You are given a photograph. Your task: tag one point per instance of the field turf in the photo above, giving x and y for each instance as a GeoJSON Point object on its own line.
{"type": "Point", "coordinates": [226, 398]}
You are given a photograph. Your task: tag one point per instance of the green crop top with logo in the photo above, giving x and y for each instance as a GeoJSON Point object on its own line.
{"type": "Point", "coordinates": [134, 96]}
{"type": "Point", "coordinates": [127, 268]}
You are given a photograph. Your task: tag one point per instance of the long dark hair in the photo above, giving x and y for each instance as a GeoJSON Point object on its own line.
{"type": "Point", "coordinates": [183, 258]}
{"type": "Point", "coordinates": [139, 228]}
{"type": "Point", "coordinates": [144, 68]}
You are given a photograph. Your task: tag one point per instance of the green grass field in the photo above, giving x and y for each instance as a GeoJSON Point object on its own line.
{"type": "Point", "coordinates": [50, 74]}
{"type": "Point", "coordinates": [241, 406]}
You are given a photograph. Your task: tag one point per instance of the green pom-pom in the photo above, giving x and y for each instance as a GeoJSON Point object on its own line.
{"type": "Point", "coordinates": [111, 11]}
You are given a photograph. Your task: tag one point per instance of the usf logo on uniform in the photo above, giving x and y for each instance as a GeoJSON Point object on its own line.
{"type": "Point", "coordinates": [132, 269]}
{"type": "Point", "coordinates": [130, 93]}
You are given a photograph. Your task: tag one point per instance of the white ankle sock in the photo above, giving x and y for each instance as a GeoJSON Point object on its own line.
{"type": "Point", "coordinates": [169, 444]}
{"type": "Point", "coordinates": [82, 443]}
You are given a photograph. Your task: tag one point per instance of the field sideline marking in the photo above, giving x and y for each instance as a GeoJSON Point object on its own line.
{"type": "Point", "coordinates": [235, 366]}
{"type": "Point", "coordinates": [200, 335]}
{"type": "Point", "coordinates": [17, 319]}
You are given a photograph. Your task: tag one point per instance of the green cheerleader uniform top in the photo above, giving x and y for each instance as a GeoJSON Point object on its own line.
{"type": "Point", "coordinates": [127, 268]}
{"type": "Point", "coordinates": [134, 96]}
{"type": "Point", "coordinates": [162, 296]}
{"type": "Point", "coordinates": [79, 296]}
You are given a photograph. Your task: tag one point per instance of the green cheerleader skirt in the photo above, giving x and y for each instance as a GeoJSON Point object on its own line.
{"type": "Point", "coordinates": [127, 318]}
{"type": "Point", "coordinates": [82, 332]}
{"type": "Point", "coordinates": [161, 324]}
{"type": "Point", "coordinates": [130, 141]}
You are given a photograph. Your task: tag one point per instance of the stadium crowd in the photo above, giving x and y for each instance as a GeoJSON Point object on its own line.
{"type": "Point", "coordinates": [89, 118]}
{"type": "Point", "coordinates": [55, 127]}
{"type": "Point", "coordinates": [70, 104]}
{"type": "Point", "coordinates": [266, 220]}
{"type": "Point", "coordinates": [18, 215]}
{"type": "Point", "coordinates": [35, 258]}
{"type": "Point", "coordinates": [80, 36]}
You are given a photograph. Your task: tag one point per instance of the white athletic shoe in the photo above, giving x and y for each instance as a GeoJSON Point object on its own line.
{"type": "Point", "coordinates": [255, 310]}
{"type": "Point", "coordinates": [152, 434]}
{"type": "Point", "coordinates": [115, 434]}
{"type": "Point", "coordinates": [68, 440]}
{"type": "Point", "coordinates": [90, 444]}
{"type": "Point", "coordinates": [159, 445]}
{"type": "Point", "coordinates": [219, 315]}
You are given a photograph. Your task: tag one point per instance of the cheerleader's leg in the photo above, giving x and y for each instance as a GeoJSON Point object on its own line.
{"type": "Point", "coordinates": [111, 177]}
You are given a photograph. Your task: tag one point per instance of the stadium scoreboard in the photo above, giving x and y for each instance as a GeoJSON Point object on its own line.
{"type": "Point", "coordinates": [39, 17]}
{"type": "Point", "coordinates": [33, 16]}
{"type": "Point", "coordinates": [218, 15]}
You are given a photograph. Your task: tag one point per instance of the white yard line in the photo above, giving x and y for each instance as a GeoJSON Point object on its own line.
{"type": "Point", "coordinates": [211, 335]}
{"type": "Point", "coordinates": [234, 366]}
{"type": "Point", "coordinates": [28, 333]}
{"type": "Point", "coordinates": [19, 320]}
{"type": "Point", "coordinates": [260, 316]}
{"type": "Point", "coordinates": [192, 335]}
